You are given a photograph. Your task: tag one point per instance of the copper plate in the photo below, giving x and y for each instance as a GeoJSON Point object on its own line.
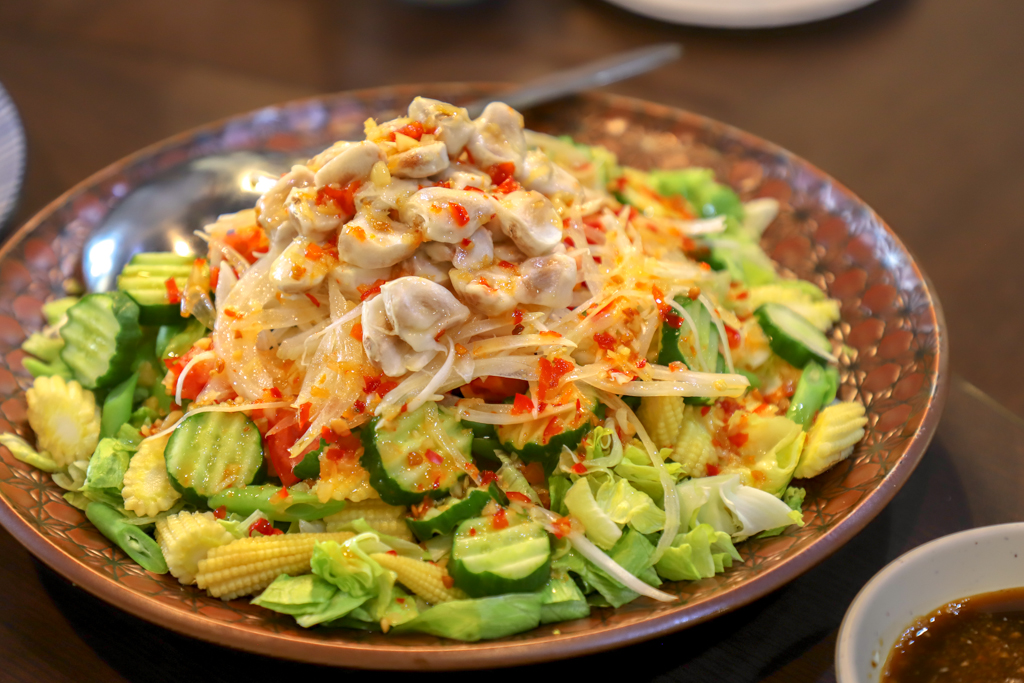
{"type": "Point", "coordinates": [891, 324]}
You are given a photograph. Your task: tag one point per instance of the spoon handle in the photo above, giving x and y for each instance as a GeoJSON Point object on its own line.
{"type": "Point", "coordinates": [592, 75]}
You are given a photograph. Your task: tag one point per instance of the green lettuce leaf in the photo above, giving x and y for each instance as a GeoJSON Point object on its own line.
{"type": "Point", "coordinates": [697, 554]}
{"type": "Point", "coordinates": [623, 504]}
{"type": "Point", "coordinates": [479, 619]}
{"type": "Point", "coordinates": [296, 595]}
{"type": "Point", "coordinates": [348, 567]}
{"type": "Point", "coordinates": [726, 505]}
{"type": "Point", "coordinates": [599, 527]}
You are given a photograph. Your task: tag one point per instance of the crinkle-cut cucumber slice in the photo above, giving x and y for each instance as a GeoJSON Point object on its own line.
{"type": "Point", "coordinates": [101, 338]}
{"type": "Point", "coordinates": [210, 452]}
{"type": "Point", "coordinates": [791, 336]}
{"type": "Point", "coordinates": [486, 560]}
{"type": "Point", "coordinates": [405, 458]}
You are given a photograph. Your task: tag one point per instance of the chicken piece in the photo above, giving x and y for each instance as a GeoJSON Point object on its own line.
{"type": "Point", "coordinates": [271, 211]}
{"type": "Point", "coordinates": [490, 291]}
{"type": "Point", "coordinates": [387, 198]}
{"type": "Point", "coordinates": [351, 163]}
{"type": "Point", "coordinates": [507, 251]}
{"type": "Point", "coordinates": [292, 272]}
{"type": "Point", "coordinates": [312, 220]}
{"type": "Point", "coordinates": [445, 215]}
{"type": "Point", "coordinates": [423, 265]}
{"type": "Point", "coordinates": [474, 252]}
{"type": "Point", "coordinates": [497, 137]}
{"type": "Point", "coordinates": [350, 278]}
{"type": "Point", "coordinates": [402, 323]}
{"type": "Point", "coordinates": [451, 124]}
{"type": "Point", "coordinates": [546, 281]}
{"type": "Point", "coordinates": [530, 219]}
{"type": "Point", "coordinates": [372, 240]}
{"type": "Point", "coordinates": [420, 161]}
{"type": "Point", "coordinates": [539, 173]}
{"type": "Point", "coordinates": [460, 176]}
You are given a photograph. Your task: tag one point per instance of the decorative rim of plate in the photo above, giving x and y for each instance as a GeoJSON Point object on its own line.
{"type": "Point", "coordinates": [271, 638]}
{"type": "Point", "coordinates": [13, 157]}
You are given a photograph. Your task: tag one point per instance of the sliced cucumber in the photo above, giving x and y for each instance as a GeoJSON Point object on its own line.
{"type": "Point", "coordinates": [442, 520]}
{"type": "Point", "coordinates": [490, 561]}
{"type": "Point", "coordinates": [100, 339]}
{"type": "Point", "coordinates": [527, 439]}
{"type": "Point", "coordinates": [144, 279]}
{"type": "Point", "coordinates": [791, 336]}
{"type": "Point", "coordinates": [211, 452]}
{"type": "Point", "coordinates": [405, 460]}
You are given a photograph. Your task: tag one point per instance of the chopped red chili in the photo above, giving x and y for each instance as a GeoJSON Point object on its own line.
{"type": "Point", "coordinates": [173, 293]}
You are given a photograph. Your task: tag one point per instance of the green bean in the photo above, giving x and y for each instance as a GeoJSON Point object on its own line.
{"type": "Point", "coordinates": [817, 387]}
{"type": "Point", "coordinates": [277, 503]}
{"type": "Point", "coordinates": [131, 539]}
{"type": "Point", "coordinates": [117, 408]}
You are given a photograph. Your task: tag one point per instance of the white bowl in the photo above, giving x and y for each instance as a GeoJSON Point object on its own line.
{"type": "Point", "coordinates": [976, 561]}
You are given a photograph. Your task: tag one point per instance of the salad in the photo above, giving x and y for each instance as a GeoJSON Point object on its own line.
{"type": "Point", "coordinates": [459, 378]}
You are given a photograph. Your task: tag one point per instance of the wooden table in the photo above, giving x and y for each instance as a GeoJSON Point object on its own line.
{"type": "Point", "coordinates": [914, 104]}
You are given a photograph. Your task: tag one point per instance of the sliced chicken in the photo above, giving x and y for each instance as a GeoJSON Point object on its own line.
{"type": "Point", "coordinates": [401, 325]}
{"type": "Point", "coordinates": [474, 252]}
{"type": "Point", "coordinates": [446, 215]}
{"type": "Point", "coordinates": [546, 281]}
{"type": "Point", "coordinates": [490, 291]}
{"type": "Point", "coordinates": [350, 278]}
{"type": "Point", "coordinates": [293, 272]}
{"type": "Point", "coordinates": [530, 219]}
{"type": "Point", "coordinates": [497, 137]}
{"type": "Point", "coordinates": [372, 240]}
{"type": "Point", "coordinates": [420, 161]}
{"type": "Point", "coordinates": [271, 210]}
{"type": "Point", "coordinates": [351, 163]}
{"type": "Point", "coordinates": [540, 174]}
{"type": "Point", "coordinates": [451, 124]}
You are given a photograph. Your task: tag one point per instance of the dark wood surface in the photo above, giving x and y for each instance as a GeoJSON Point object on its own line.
{"type": "Point", "coordinates": [916, 105]}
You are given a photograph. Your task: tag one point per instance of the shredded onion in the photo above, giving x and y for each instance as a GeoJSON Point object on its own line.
{"type": "Point", "coordinates": [198, 358]}
{"type": "Point", "coordinates": [721, 332]}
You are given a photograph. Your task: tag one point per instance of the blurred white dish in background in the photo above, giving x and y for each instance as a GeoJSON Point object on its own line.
{"type": "Point", "coordinates": [741, 13]}
{"type": "Point", "coordinates": [971, 562]}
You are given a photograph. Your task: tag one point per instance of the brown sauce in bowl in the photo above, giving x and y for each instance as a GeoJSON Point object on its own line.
{"type": "Point", "coordinates": [979, 639]}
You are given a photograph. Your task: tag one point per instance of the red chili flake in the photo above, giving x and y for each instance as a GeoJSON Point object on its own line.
{"type": "Point", "coordinates": [506, 265]}
{"type": "Point", "coordinates": [605, 341]}
{"type": "Point", "coordinates": [694, 292]}
{"type": "Point", "coordinates": [734, 337]}
{"type": "Point", "coordinates": [448, 581]}
{"type": "Point", "coordinates": [472, 531]}
{"type": "Point", "coordinates": [367, 291]}
{"type": "Point", "coordinates": [214, 278]}
{"type": "Point", "coordinates": [518, 497]}
{"type": "Point", "coordinates": [551, 373]}
{"type": "Point", "coordinates": [522, 404]}
{"type": "Point", "coordinates": [304, 415]}
{"type": "Point", "coordinates": [486, 477]}
{"type": "Point", "coordinates": [437, 337]}
{"type": "Point", "coordinates": [221, 512]}
{"type": "Point", "coordinates": [738, 440]}
{"type": "Point", "coordinates": [517, 316]}
{"type": "Point", "coordinates": [704, 411]}
{"type": "Point", "coordinates": [357, 331]}
{"type": "Point", "coordinates": [553, 428]}
{"type": "Point", "coordinates": [173, 294]}
{"type": "Point", "coordinates": [230, 312]}
{"type": "Point", "coordinates": [500, 519]}
{"type": "Point", "coordinates": [729, 406]}
{"type": "Point", "coordinates": [762, 409]}
{"type": "Point", "coordinates": [314, 252]}
{"type": "Point", "coordinates": [579, 468]}
{"type": "Point", "coordinates": [563, 527]}
{"type": "Point", "coordinates": [344, 197]}
{"type": "Point", "coordinates": [459, 213]}
{"type": "Point", "coordinates": [433, 456]}
{"type": "Point", "coordinates": [274, 392]}
{"type": "Point", "coordinates": [507, 186]}
{"type": "Point", "coordinates": [641, 363]}
{"type": "Point", "coordinates": [413, 130]}
{"type": "Point", "coordinates": [370, 384]}
{"type": "Point", "coordinates": [466, 243]}
{"type": "Point", "coordinates": [264, 527]}
{"type": "Point", "coordinates": [517, 330]}
{"type": "Point", "coordinates": [359, 406]}
{"type": "Point", "coordinates": [501, 172]}
{"type": "Point", "coordinates": [664, 308]}
{"type": "Point", "coordinates": [712, 470]}
{"type": "Point", "coordinates": [742, 295]}
{"type": "Point", "coordinates": [313, 299]}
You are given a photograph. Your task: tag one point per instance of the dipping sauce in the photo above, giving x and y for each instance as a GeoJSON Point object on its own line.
{"type": "Point", "coordinates": [979, 639]}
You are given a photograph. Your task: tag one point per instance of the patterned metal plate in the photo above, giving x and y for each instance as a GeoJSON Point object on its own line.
{"type": "Point", "coordinates": [891, 325]}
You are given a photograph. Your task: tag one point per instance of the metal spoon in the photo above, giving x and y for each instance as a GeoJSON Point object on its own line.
{"type": "Point", "coordinates": [163, 213]}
